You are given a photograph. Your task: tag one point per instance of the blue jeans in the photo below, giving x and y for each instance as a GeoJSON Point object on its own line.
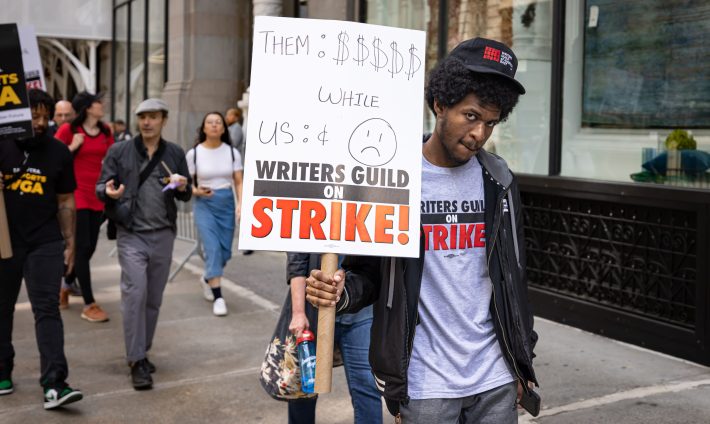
{"type": "Point", "coordinates": [495, 406]}
{"type": "Point", "coordinates": [354, 342]}
{"type": "Point", "coordinates": [214, 217]}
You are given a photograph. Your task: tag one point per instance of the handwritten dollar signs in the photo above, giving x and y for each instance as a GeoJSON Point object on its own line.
{"type": "Point", "coordinates": [378, 55]}
{"type": "Point", "coordinates": [362, 51]}
{"type": "Point", "coordinates": [397, 62]}
{"type": "Point", "coordinates": [343, 51]}
{"type": "Point", "coordinates": [414, 62]}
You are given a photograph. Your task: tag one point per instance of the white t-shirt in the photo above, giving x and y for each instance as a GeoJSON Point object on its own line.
{"type": "Point", "coordinates": [455, 353]}
{"type": "Point", "coordinates": [215, 168]}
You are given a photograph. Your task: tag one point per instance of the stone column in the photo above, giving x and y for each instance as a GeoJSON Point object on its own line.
{"type": "Point", "coordinates": [330, 9]}
{"type": "Point", "coordinates": [203, 68]}
{"type": "Point", "coordinates": [267, 7]}
{"type": "Point", "coordinates": [260, 8]}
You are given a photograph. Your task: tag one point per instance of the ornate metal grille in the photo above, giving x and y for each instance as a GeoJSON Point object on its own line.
{"type": "Point", "coordinates": [639, 259]}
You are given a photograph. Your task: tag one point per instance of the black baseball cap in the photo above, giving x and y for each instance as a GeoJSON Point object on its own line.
{"type": "Point", "coordinates": [488, 57]}
{"type": "Point", "coordinates": [84, 100]}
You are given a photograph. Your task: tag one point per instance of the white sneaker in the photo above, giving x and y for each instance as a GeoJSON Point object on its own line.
{"type": "Point", "coordinates": [206, 290]}
{"type": "Point", "coordinates": [219, 307]}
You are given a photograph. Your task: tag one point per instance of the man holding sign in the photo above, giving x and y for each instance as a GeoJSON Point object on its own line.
{"type": "Point", "coordinates": [328, 169]}
{"type": "Point", "coordinates": [465, 297]}
{"type": "Point", "coordinates": [38, 179]}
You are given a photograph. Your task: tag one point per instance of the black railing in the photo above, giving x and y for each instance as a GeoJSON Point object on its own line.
{"type": "Point", "coordinates": [626, 260]}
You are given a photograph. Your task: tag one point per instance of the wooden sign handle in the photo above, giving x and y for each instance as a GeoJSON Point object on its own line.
{"type": "Point", "coordinates": [5, 244]}
{"type": "Point", "coordinates": [326, 332]}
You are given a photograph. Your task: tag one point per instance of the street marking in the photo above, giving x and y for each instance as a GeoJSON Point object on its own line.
{"type": "Point", "coordinates": [237, 289]}
{"type": "Point", "coordinates": [640, 392]}
{"type": "Point", "coordinates": [183, 382]}
{"type": "Point", "coordinates": [158, 386]}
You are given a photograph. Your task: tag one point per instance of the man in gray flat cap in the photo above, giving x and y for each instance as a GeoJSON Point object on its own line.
{"type": "Point", "coordinates": [140, 181]}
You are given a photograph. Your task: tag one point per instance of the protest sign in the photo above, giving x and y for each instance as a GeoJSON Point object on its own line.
{"type": "Point", "coordinates": [15, 115]}
{"type": "Point", "coordinates": [333, 160]}
{"type": "Point", "coordinates": [34, 74]}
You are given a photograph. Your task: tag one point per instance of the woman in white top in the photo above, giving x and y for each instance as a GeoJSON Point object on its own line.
{"type": "Point", "coordinates": [216, 168]}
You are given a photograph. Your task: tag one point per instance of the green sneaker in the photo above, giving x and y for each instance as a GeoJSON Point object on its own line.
{"type": "Point", "coordinates": [6, 387]}
{"type": "Point", "coordinates": [54, 398]}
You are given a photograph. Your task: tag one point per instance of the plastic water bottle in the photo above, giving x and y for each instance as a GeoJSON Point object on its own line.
{"type": "Point", "coordinates": [307, 360]}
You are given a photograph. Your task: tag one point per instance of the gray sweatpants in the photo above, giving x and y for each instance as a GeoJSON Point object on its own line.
{"type": "Point", "coordinates": [496, 406]}
{"type": "Point", "coordinates": [145, 259]}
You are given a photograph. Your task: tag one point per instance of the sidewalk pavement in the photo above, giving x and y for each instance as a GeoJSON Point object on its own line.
{"type": "Point", "coordinates": [208, 366]}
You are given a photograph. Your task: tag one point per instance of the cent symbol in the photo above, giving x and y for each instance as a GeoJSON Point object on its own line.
{"type": "Point", "coordinates": [373, 142]}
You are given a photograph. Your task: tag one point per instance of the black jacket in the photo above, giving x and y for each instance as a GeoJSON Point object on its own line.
{"type": "Point", "coordinates": [122, 164]}
{"type": "Point", "coordinates": [393, 284]}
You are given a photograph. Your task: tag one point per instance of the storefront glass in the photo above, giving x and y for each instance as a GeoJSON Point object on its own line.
{"type": "Point", "coordinates": [137, 69]}
{"type": "Point", "coordinates": [120, 63]}
{"type": "Point", "coordinates": [138, 73]}
{"type": "Point", "coordinates": [411, 14]}
{"type": "Point", "coordinates": [634, 72]}
{"type": "Point", "coordinates": [156, 48]}
{"type": "Point", "coordinates": [525, 25]}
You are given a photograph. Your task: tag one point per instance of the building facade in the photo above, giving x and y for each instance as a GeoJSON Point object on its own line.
{"type": "Point", "coordinates": [618, 227]}
{"type": "Point", "coordinates": [616, 223]}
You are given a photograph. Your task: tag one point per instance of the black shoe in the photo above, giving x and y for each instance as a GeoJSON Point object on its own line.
{"type": "Point", "coordinates": [248, 252]}
{"type": "Point", "coordinates": [151, 366]}
{"type": "Point", "coordinates": [54, 398]}
{"type": "Point", "coordinates": [140, 375]}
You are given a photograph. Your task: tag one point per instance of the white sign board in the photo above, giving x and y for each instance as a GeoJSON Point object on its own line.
{"type": "Point", "coordinates": [333, 155]}
{"type": "Point", "coordinates": [34, 74]}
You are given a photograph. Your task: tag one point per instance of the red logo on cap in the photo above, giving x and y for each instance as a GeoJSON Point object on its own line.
{"type": "Point", "coordinates": [491, 54]}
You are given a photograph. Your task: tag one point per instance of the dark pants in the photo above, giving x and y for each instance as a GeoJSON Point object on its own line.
{"type": "Point", "coordinates": [302, 411]}
{"type": "Point", "coordinates": [354, 342]}
{"type": "Point", "coordinates": [88, 224]}
{"type": "Point", "coordinates": [42, 268]}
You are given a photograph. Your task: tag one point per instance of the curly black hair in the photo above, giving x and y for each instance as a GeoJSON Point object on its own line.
{"type": "Point", "coordinates": [451, 81]}
{"type": "Point", "coordinates": [41, 98]}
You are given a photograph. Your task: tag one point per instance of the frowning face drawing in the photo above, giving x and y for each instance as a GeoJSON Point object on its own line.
{"type": "Point", "coordinates": [373, 142]}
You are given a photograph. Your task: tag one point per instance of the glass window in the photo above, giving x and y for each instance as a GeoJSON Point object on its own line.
{"type": "Point", "coordinates": [137, 78]}
{"type": "Point", "coordinates": [411, 14]}
{"type": "Point", "coordinates": [156, 48]}
{"type": "Point", "coordinates": [636, 78]}
{"type": "Point", "coordinates": [627, 87]}
{"type": "Point", "coordinates": [121, 63]}
{"type": "Point", "coordinates": [523, 139]}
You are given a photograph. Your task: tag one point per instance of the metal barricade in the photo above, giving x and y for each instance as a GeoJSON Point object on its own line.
{"type": "Point", "coordinates": [187, 232]}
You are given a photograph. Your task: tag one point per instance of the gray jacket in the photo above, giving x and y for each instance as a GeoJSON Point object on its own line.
{"type": "Point", "coordinates": [236, 134]}
{"type": "Point", "coordinates": [123, 164]}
